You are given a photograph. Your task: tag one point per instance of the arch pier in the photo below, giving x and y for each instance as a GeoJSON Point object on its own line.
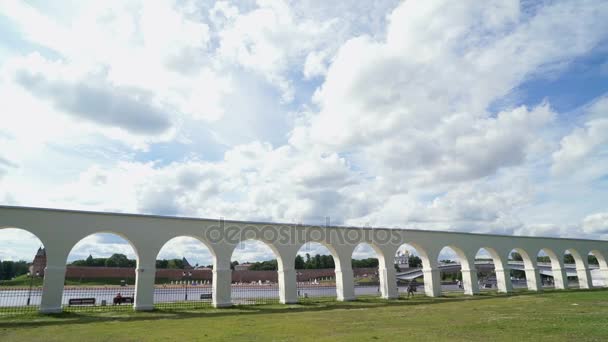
{"type": "Point", "coordinates": [60, 230]}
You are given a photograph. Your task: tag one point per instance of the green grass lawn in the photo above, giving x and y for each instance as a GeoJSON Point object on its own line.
{"type": "Point", "coordinates": [551, 316]}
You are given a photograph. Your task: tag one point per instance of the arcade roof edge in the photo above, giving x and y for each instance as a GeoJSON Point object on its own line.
{"type": "Point", "coordinates": [187, 218]}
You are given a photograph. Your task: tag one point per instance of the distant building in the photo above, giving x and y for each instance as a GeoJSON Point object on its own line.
{"type": "Point", "coordinates": [242, 267]}
{"type": "Point", "coordinates": [402, 259]}
{"type": "Point", "coordinates": [39, 263]}
{"type": "Point", "coordinates": [186, 264]}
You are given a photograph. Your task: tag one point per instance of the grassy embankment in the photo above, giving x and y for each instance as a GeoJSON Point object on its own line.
{"type": "Point", "coordinates": [551, 316]}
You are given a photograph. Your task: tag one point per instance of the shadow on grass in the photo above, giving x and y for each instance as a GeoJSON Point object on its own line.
{"type": "Point", "coordinates": [36, 320]}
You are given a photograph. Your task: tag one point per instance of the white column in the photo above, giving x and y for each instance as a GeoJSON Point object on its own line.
{"type": "Point", "coordinates": [388, 282]}
{"type": "Point", "coordinates": [603, 273]}
{"type": "Point", "coordinates": [144, 287]}
{"type": "Point", "coordinates": [533, 279]}
{"type": "Point", "coordinates": [52, 290]}
{"type": "Point", "coordinates": [584, 278]}
{"type": "Point", "coordinates": [503, 280]}
{"type": "Point", "coordinates": [432, 282]}
{"type": "Point", "coordinates": [222, 292]}
{"type": "Point", "coordinates": [288, 287]}
{"type": "Point", "coordinates": [560, 278]}
{"type": "Point", "coordinates": [345, 284]}
{"type": "Point", "coordinates": [469, 282]}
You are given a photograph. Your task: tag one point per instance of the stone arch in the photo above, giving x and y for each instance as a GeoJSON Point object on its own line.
{"type": "Point", "coordinates": [430, 272]}
{"type": "Point", "coordinates": [205, 244]}
{"type": "Point", "coordinates": [23, 275]}
{"type": "Point", "coordinates": [18, 230]}
{"type": "Point", "coordinates": [599, 277]}
{"type": "Point", "coordinates": [466, 273]}
{"type": "Point", "coordinates": [421, 251]}
{"type": "Point", "coordinates": [557, 270]}
{"type": "Point", "coordinates": [80, 275]}
{"type": "Point", "coordinates": [330, 248]}
{"type": "Point", "coordinates": [526, 259]}
{"type": "Point", "coordinates": [112, 232]}
{"type": "Point", "coordinates": [500, 272]}
{"type": "Point", "coordinates": [408, 276]}
{"type": "Point", "coordinates": [318, 283]}
{"type": "Point", "coordinates": [529, 271]}
{"type": "Point", "coordinates": [173, 287]}
{"type": "Point", "coordinates": [583, 274]}
{"type": "Point", "coordinates": [368, 282]}
{"type": "Point", "coordinates": [271, 246]}
{"type": "Point", "coordinates": [254, 288]}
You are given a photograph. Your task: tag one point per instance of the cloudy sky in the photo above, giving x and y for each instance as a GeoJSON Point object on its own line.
{"type": "Point", "coordinates": [477, 116]}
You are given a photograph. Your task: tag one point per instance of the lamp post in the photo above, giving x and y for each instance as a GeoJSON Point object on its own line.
{"type": "Point", "coordinates": [29, 293]}
{"type": "Point", "coordinates": [186, 276]}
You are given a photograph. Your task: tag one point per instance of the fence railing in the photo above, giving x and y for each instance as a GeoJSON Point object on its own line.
{"type": "Point", "coordinates": [19, 299]}
{"type": "Point", "coordinates": [251, 294]}
{"type": "Point", "coordinates": [98, 298]}
{"type": "Point", "coordinates": [183, 296]}
{"type": "Point", "coordinates": [367, 289]}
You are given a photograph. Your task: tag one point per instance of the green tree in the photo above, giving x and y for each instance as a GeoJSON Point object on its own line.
{"type": "Point", "coordinates": [365, 263]}
{"type": "Point", "coordinates": [176, 264]}
{"type": "Point", "coordinates": [270, 265]}
{"type": "Point", "coordinates": [592, 260]}
{"type": "Point", "coordinates": [11, 269]}
{"type": "Point", "coordinates": [79, 263]}
{"type": "Point", "coordinates": [117, 260]}
{"type": "Point", "coordinates": [516, 257]}
{"type": "Point", "coordinates": [232, 264]}
{"type": "Point", "coordinates": [317, 262]}
{"type": "Point", "coordinates": [327, 261]}
{"type": "Point", "coordinates": [543, 259]}
{"type": "Point", "coordinates": [299, 263]}
{"type": "Point", "coordinates": [414, 261]}
{"type": "Point", "coordinates": [568, 259]}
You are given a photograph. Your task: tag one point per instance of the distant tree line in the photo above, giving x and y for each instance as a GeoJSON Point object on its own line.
{"type": "Point", "coordinates": [121, 260]}
{"type": "Point", "coordinates": [310, 262]}
{"type": "Point", "coordinates": [316, 262]}
{"type": "Point", "coordinates": [270, 265]}
{"type": "Point", "coordinates": [568, 258]}
{"type": "Point", "coordinates": [322, 262]}
{"type": "Point", "coordinates": [10, 269]}
{"type": "Point", "coordinates": [115, 260]}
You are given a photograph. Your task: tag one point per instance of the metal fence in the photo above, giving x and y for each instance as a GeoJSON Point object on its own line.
{"type": "Point", "coordinates": [314, 292]}
{"type": "Point", "coordinates": [16, 300]}
{"type": "Point", "coordinates": [183, 296]}
{"type": "Point", "coordinates": [367, 289]}
{"type": "Point", "coordinates": [250, 294]}
{"type": "Point", "coordinates": [85, 298]}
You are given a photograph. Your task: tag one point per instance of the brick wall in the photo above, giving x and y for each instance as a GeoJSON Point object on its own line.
{"type": "Point", "coordinates": [77, 272]}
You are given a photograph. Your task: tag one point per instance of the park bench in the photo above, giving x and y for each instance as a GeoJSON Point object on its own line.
{"type": "Point", "coordinates": [206, 296]}
{"type": "Point", "coordinates": [123, 300]}
{"type": "Point", "coordinates": [81, 301]}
